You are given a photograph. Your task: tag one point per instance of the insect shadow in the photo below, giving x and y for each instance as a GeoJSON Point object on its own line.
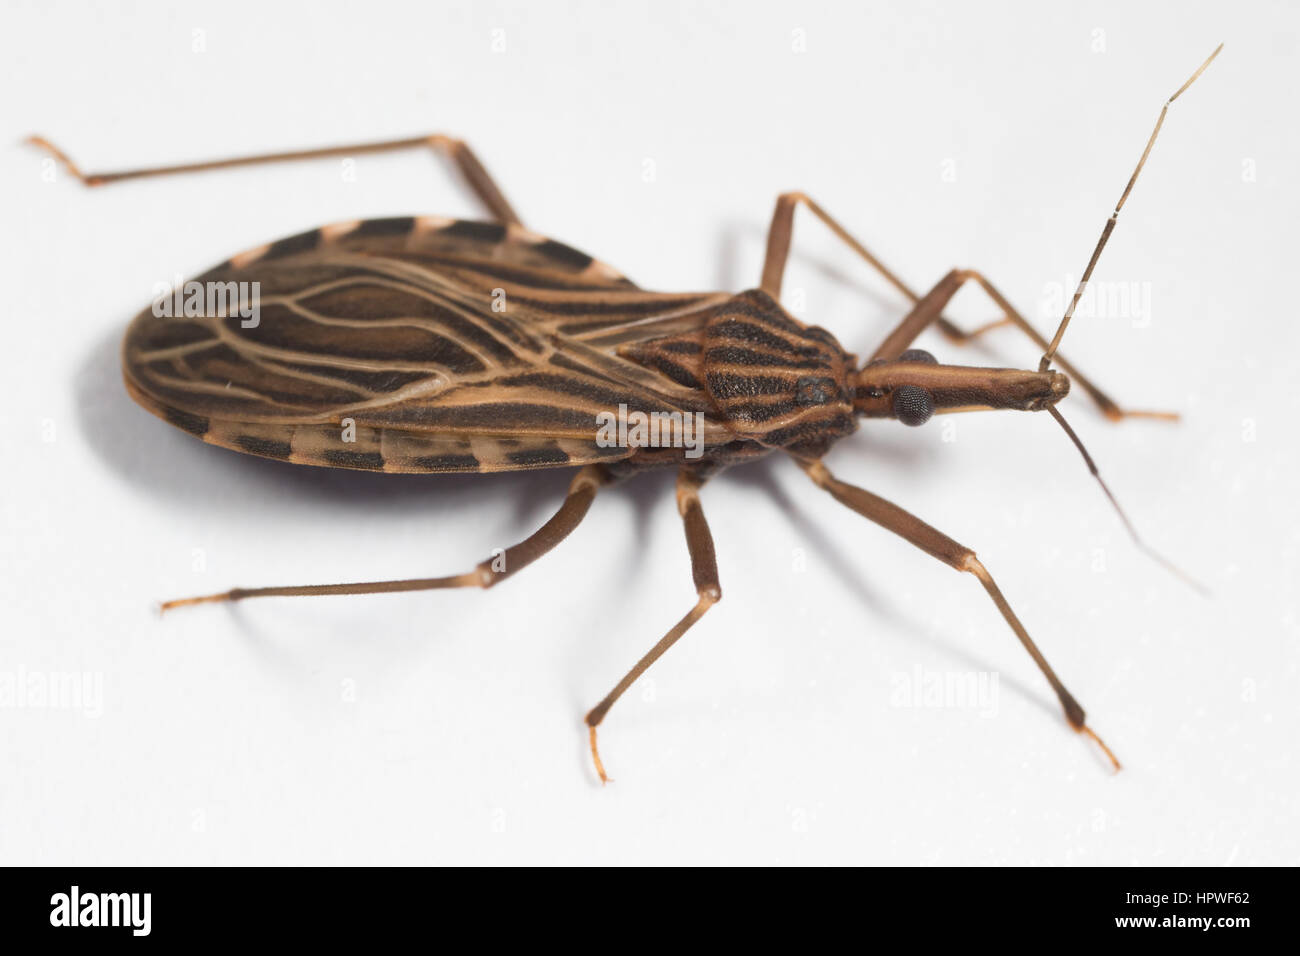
{"type": "Point", "coordinates": [196, 478]}
{"type": "Point", "coordinates": [853, 569]}
{"type": "Point", "coordinates": [168, 464]}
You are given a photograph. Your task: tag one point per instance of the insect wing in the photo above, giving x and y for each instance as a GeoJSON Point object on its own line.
{"type": "Point", "coordinates": [411, 345]}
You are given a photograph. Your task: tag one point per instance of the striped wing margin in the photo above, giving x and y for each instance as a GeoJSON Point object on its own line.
{"type": "Point", "coordinates": [445, 345]}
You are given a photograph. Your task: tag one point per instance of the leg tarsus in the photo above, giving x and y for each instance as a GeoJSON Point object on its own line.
{"type": "Point", "coordinates": [1116, 414]}
{"type": "Point", "coordinates": [1114, 761]}
{"type": "Point", "coordinates": [40, 142]}
{"type": "Point", "coordinates": [595, 755]}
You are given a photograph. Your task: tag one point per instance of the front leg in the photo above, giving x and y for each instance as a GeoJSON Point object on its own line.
{"type": "Point", "coordinates": [926, 310]}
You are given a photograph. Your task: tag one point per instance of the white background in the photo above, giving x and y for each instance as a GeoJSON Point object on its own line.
{"type": "Point", "coordinates": [995, 136]}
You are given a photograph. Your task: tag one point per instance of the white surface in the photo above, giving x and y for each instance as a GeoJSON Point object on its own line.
{"type": "Point", "coordinates": [773, 733]}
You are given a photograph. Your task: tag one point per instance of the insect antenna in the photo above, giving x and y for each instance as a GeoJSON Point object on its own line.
{"type": "Point", "coordinates": [1045, 363]}
{"type": "Point", "coordinates": [1142, 545]}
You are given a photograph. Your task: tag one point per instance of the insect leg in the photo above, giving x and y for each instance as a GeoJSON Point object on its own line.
{"type": "Point", "coordinates": [928, 310]}
{"type": "Point", "coordinates": [934, 542]}
{"type": "Point", "coordinates": [459, 152]}
{"type": "Point", "coordinates": [704, 570]}
{"type": "Point", "coordinates": [488, 573]}
{"type": "Point", "coordinates": [781, 232]}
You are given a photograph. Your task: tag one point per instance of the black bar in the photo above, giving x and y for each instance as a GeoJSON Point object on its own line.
{"type": "Point", "coordinates": [335, 906]}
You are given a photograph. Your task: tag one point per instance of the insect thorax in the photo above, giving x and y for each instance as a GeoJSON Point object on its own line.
{"type": "Point", "coordinates": [770, 378]}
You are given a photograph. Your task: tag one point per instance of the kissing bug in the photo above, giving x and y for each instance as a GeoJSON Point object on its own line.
{"type": "Point", "coordinates": [380, 346]}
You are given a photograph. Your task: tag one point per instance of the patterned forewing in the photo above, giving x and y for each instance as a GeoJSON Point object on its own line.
{"type": "Point", "coordinates": [414, 345]}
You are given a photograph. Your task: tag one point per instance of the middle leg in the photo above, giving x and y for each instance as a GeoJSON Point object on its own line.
{"type": "Point", "coordinates": [582, 490]}
{"type": "Point", "coordinates": [704, 570]}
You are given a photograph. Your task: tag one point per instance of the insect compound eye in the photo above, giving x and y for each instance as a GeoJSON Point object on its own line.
{"type": "Point", "coordinates": [912, 405]}
{"type": "Point", "coordinates": [918, 355]}
{"type": "Point", "coordinates": [811, 390]}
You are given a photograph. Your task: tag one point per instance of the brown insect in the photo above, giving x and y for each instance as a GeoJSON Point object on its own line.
{"type": "Point", "coordinates": [432, 345]}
